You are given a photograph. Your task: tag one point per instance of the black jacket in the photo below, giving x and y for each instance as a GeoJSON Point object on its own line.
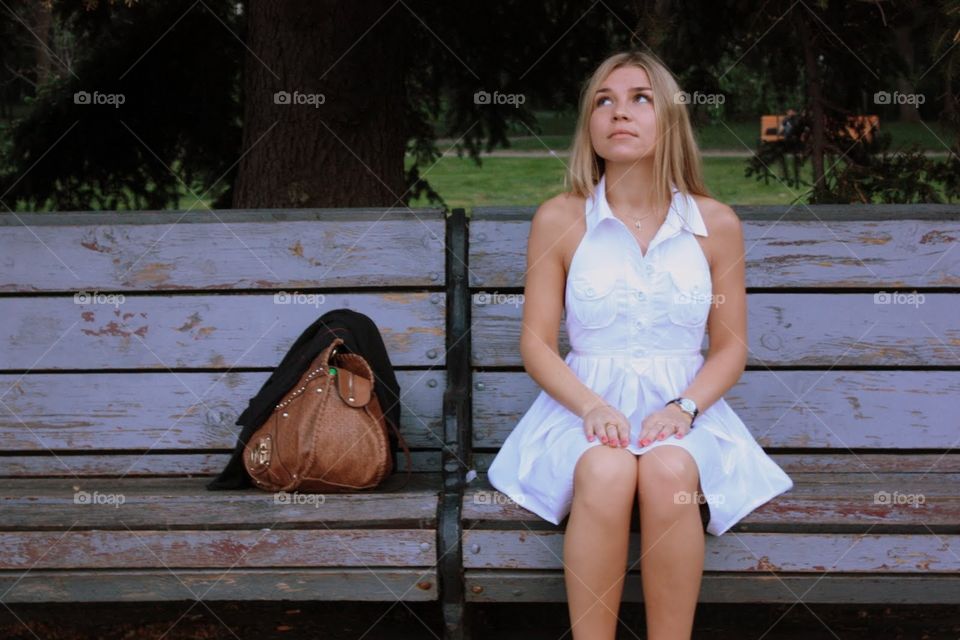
{"type": "Point", "coordinates": [360, 335]}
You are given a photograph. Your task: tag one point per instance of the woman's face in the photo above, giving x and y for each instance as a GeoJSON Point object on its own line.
{"type": "Point", "coordinates": [623, 122]}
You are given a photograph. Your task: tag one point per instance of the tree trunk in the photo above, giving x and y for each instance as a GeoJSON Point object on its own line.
{"type": "Point", "coordinates": [347, 151]}
{"type": "Point", "coordinates": [43, 21]}
{"type": "Point", "coordinates": [904, 41]}
{"type": "Point", "coordinates": [815, 98]}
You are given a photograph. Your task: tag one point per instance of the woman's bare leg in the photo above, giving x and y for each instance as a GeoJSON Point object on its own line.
{"type": "Point", "coordinates": [671, 541]}
{"type": "Point", "coordinates": [596, 538]}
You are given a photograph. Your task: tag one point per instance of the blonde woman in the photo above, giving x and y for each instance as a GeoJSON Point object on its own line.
{"type": "Point", "coordinates": [643, 262]}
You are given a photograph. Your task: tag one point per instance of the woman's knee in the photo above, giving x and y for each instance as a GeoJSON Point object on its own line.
{"type": "Point", "coordinates": [669, 473]}
{"type": "Point", "coordinates": [604, 471]}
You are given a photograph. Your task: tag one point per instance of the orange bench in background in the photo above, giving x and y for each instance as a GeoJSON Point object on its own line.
{"type": "Point", "coordinates": [770, 126]}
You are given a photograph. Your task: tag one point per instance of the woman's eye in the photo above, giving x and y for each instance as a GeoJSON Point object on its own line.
{"type": "Point", "coordinates": [636, 98]}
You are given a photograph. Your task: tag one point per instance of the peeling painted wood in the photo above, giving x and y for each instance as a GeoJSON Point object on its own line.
{"type": "Point", "coordinates": [139, 251]}
{"type": "Point", "coordinates": [842, 248]}
{"type": "Point", "coordinates": [817, 501]}
{"type": "Point", "coordinates": [747, 552]}
{"type": "Point", "coordinates": [203, 331]}
{"type": "Point", "coordinates": [57, 504]}
{"type": "Point", "coordinates": [816, 329]}
{"type": "Point", "coordinates": [548, 586]}
{"type": "Point", "coordinates": [157, 464]}
{"type": "Point", "coordinates": [206, 549]}
{"type": "Point", "coordinates": [837, 409]}
{"type": "Point", "coordinates": [164, 411]}
{"type": "Point", "coordinates": [377, 584]}
{"type": "Point", "coordinates": [843, 462]}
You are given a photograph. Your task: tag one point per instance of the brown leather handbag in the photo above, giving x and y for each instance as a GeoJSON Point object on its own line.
{"type": "Point", "coordinates": [327, 434]}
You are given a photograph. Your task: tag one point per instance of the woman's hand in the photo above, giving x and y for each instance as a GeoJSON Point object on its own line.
{"type": "Point", "coordinates": [608, 424]}
{"type": "Point", "coordinates": [659, 425]}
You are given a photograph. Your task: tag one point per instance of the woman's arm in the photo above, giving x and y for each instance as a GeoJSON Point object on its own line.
{"type": "Point", "coordinates": [554, 225]}
{"type": "Point", "coordinates": [727, 323]}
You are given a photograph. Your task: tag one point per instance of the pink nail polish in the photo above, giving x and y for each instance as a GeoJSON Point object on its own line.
{"type": "Point", "coordinates": [661, 437]}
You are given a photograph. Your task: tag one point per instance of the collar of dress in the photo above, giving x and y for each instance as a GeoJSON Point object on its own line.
{"type": "Point", "coordinates": [683, 211]}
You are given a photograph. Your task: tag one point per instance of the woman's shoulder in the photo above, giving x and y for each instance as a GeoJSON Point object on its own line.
{"type": "Point", "coordinates": [560, 211]}
{"type": "Point", "coordinates": [719, 218]}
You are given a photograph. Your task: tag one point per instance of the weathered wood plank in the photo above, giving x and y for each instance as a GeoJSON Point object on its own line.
{"type": "Point", "coordinates": [206, 549]}
{"type": "Point", "coordinates": [163, 411]}
{"type": "Point", "coordinates": [222, 250]}
{"type": "Point", "coordinates": [842, 250]}
{"type": "Point", "coordinates": [548, 586]}
{"type": "Point", "coordinates": [817, 501]}
{"type": "Point", "coordinates": [748, 552]}
{"type": "Point", "coordinates": [834, 462]}
{"type": "Point", "coordinates": [367, 584]}
{"type": "Point", "coordinates": [837, 409]}
{"type": "Point", "coordinates": [135, 465]}
{"type": "Point", "coordinates": [203, 331]}
{"type": "Point", "coordinates": [816, 329]}
{"type": "Point", "coordinates": [58, 504]}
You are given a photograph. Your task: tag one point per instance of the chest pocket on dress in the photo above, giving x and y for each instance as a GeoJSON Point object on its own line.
{"type": "Point", "coordinates": [594, 297]}
{"type": "Point", "coordinates": [689, 297]}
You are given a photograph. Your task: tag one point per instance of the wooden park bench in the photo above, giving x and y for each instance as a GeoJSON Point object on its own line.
{"type": "Point", "coordinates": [116, 412]}
{"type": "Point", "coordinates": [852, 391]}
{"type": "Point", "coordinates": [131, 342]}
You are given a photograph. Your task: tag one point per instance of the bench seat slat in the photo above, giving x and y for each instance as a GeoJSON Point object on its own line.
{"type": "Point", "coordinates": [548, 586]}
{"type": "Point", "coordinates": [816, 501]}
{"type": "Point", "coordinates": [184, 464]}
{"type": "Point", "coordinates": [379, 584]}
{"type": "Point", "coordinates": [318, 547]}
{"type": "Point", "coordinates": [750, 552]}
{"type": "Point", "coordinates": [55, 504]}
{"type": "Point", "coordinates": [844, 462]}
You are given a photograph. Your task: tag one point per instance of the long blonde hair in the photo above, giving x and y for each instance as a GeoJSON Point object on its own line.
{"type": "Point", "coordinates": [676, 156]}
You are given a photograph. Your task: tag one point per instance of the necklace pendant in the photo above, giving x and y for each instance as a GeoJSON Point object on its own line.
{"type": "Point", "coordinates": [638, 224]}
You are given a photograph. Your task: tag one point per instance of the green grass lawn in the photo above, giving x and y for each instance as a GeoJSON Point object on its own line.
{"type": "Point", "coordinates": [530, 181]}
{"type": "Point", "coordinates": [726, 136]}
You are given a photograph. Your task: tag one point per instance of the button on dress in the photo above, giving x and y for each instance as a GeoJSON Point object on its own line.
{"type": "Point", "coordinates": [636, 326]}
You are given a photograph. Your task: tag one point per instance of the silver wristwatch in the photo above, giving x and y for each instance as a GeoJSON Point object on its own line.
{"type": "Point", "coordinates": [688, 406]}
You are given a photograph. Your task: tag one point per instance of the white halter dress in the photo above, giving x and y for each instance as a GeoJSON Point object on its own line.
{"type": "Point", "coordinates": [636, 326]}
